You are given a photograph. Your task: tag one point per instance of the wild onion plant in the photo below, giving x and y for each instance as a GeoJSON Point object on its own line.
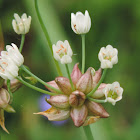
{"type": "Point", "coordinates": [80, 96]}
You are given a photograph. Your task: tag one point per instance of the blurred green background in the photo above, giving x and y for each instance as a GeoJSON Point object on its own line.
{"type": "Point", "coordinates": [115, 22]}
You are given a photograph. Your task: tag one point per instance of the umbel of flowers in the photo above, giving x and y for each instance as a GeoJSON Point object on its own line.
{"type": "Point", "coordinates": [79, 96]}
{"type": "Point", "coordinates": [82, 93]}
{"type": "Point", "coordinates": [73, 103]}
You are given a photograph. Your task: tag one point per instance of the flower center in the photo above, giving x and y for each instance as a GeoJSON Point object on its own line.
{"type": "Point", "coordinates": [112, 94]}
{"type": "Point", "coordinates": [62, 51]}
{"type": "Point", "coordinates": [107, 57]}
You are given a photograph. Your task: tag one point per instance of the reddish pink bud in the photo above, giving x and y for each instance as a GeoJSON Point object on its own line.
{"type": "Point", "coordinates": [85, 83]}
{"type": "Point", "coordinates": [76, 74]}
{"type": "Point", "coordinates": [77, 98]}
{"type": "Point", "coordinates": [97, 109]}
{"type": "Point", "coordinates": [54, 114]}
{"type": "Point", "coordinates": [60, 101]}
{"type": "Point", "coordinates": [91, 119]}
{"type": "Point", "coordinates": [64, 85]}
{"type": "Point", "coordinates": [53, 84]}
{"type": "Point", "coordinates": [99, 92]}
{"type": "Point", "coordinates": [79, 115]}
{"type": "Point", "coordinates": [97, 76]}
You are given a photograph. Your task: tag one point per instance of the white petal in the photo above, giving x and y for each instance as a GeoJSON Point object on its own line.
{"type": "Point", "coordinates": [66, 59]}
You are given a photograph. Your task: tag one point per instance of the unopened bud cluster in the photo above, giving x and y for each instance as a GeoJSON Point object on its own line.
{"type": "Point", "coordinates": [74, 104]}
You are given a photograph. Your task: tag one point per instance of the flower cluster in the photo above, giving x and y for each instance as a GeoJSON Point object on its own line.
{"type": "Point", "coordinates": [74, 103]}
{"type": "Point", "coordinates": [82, 93]}
{"type": "Point", "coordinates": [78, 96]}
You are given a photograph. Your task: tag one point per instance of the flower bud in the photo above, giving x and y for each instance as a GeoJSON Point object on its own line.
{"type": "Point", "coordinates": [21, 25]}
{"type": "Point", "coordinates": [64, 85]}
{"type": "Point", "coordinates": [80, 23]}
{"type": "Point", "coordinates": [59, 101]}
{"type": "Point", "coordinates": [4, 101]}
{"type": "Point", "coordinates": [79, 115]}
{"type": "Point", "coordinates": [2, 120]}
{"type": "Point", "coordinates": [97, 76]}
{"type": "Point", "coordinates": [85, 83]}
{"type": "Point", "coordinates": [77, 98]}
{"type": "Point", "coordinates": [4, 98]}
{"type": "Point", "coordinates": [53, 84]}
{"type": "Point", "coordinates": [97, 109]}
{"type": "Point", "coordinates": [91, 119]}
{"type": "Point", "coordinates": [99, 92]}
{"type": "Point", "coordinates": [54, 114]}
{"type": "Point", "coordinates": [76, 74]}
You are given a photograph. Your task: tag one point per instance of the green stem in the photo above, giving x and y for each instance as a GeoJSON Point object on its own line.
{"type": "Point", "coordinates": [22, 42]}
{"type": "Point", "coordinates": [47, 36]}
{"type": "Point", "coordinates": [101, 80]}
{"type": "Point", "coordinates": [34, 87]}
{"type": "Point", "coordinates": [41, 81]}
{"type": "Point", "coordinates": [67, 69]}
{"type": "Point", "coordinates": [9, 90]}
{"type": "Point", "coordinates": [95, 100]}
{"type": "Point", "coordinates": [88, 132]}
{"type": "Point", "coordinates": [83, 53]}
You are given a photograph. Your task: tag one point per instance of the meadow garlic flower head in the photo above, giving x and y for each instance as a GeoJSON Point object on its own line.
{"type": "Point", "coordinates": [113, 92]}
{"type": "Point", "coordinates": [21, 25]}
{"type": "Point", "coordinates": [62, 52]}
{"type": "Point", "coordinates": [74, 104]}
{"type": "Point", "coordinates": [80, 23]}
{"type": "Point", "coordinates": [10, 61]}
{"type": "Point", "coordinates": [108, 56]}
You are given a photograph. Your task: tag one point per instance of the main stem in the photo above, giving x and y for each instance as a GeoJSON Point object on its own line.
{"type": "Point", "coordinates": [83, 53]}
{"type": "Point", "coordinates": [22, 42]}
{"type": "Point", "coordinates": [34, 87]}
{"type": "Point", "coordinates": [101, 80]}
{"type": "Point", "coordinates": [88, 132]}
{"type": "Point", "coordinates": [67, 69]}
{"type": "Point", "coordinates": [47, 36]}
{"type": "Point", "coordinates": [39, 80]}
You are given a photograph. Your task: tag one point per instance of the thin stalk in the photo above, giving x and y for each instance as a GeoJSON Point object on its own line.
{"type": "Point", "coordinates": [39, 80]}
{"type": "Point", "coordinates": [95, 100]}
{"type": "Point", "coordinates": [22, 42]}
{"type": "Point", "coordinates": [83, 53]}
{"type": "Point", "coordinates": [68, 72]}
{"type": "Point", "coordinates": [88, 132]}
{"type": "Point", "coordinates": [47, 36]}
{"type": "Point", "coordinates": [101, 80]}
{"type": "Point", "coordinates": [9, 90]}
{"type": "Point", "coordinates": [34, 87]}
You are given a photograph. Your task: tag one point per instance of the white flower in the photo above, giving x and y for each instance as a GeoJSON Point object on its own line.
{"type": "Point", "coordinates": [62, 52]}
{"type": "Point", "coordinates": [108, 56]}
{"type": "Point", "coordinates": [10, 61]}
{"type": "Point", "coordinates": [80, 23]}
{"type": "Point", "coordinates": [113, 92]}
{"type": "Point", "coordinates": [21, 25]}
